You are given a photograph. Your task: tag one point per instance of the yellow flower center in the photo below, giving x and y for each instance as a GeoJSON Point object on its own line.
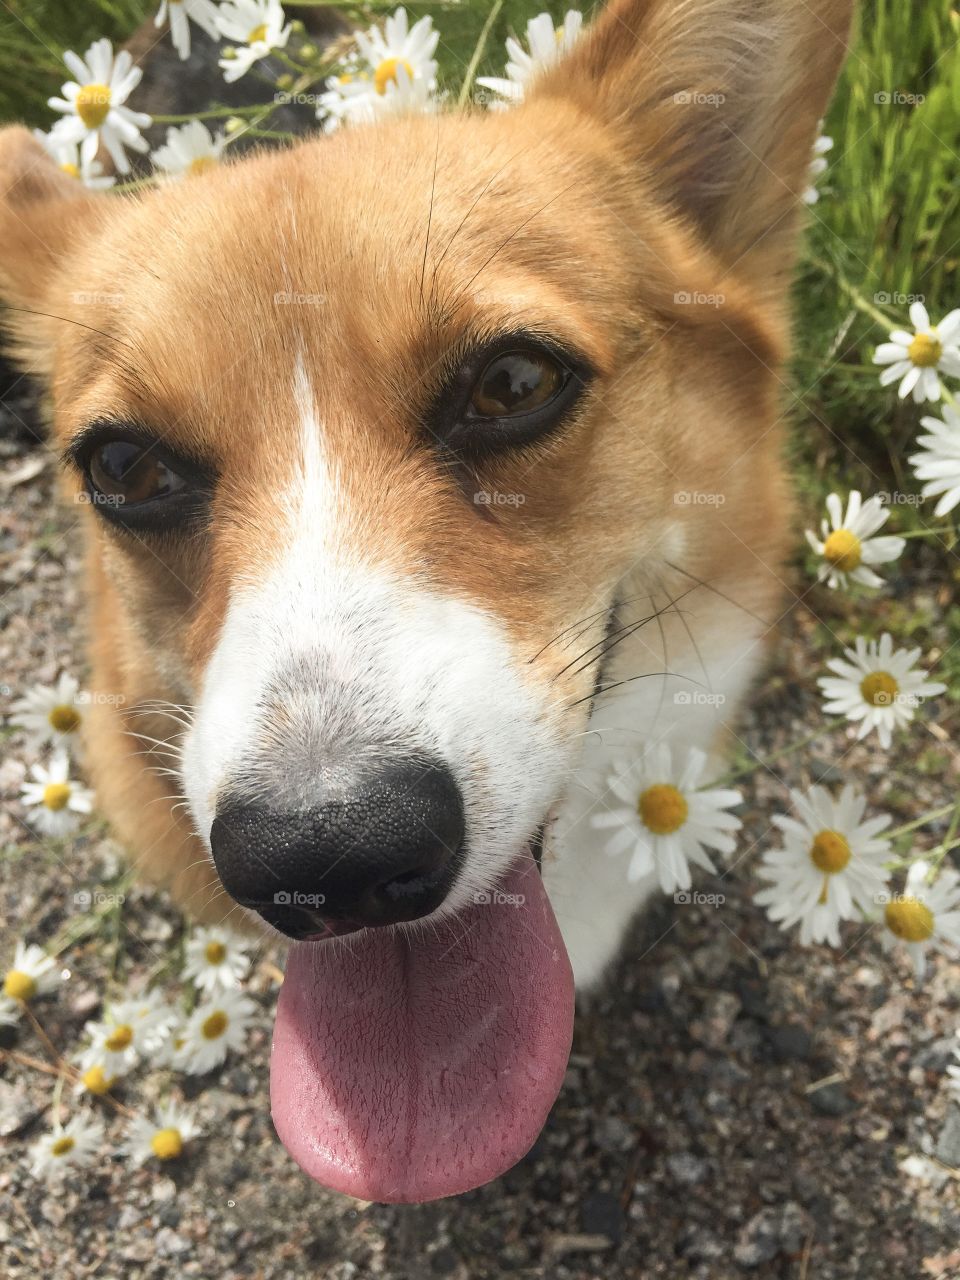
{"type": "Point", "coordinates": [96, 1081]}
{"type": "Point", "coordinates": [925, 350]}
{"type": "Point", "coordinates": [63, 1145]}
{"type": "Point", "coordinates": [215, 952]}
{"type": "Point", "coordinates": [829, 852]}
{"type": "Point", "coordinates": [909, 919]}
{"type": "Point", "coordinates": [93, 104]}
{"type": "Point", "coordinates": [119, 1038]}
{"type": "Point", "coordinates": [386, 73]}
{"type": "Point", "coordinates": [201, 165]}
{"type": "Point", "coordinates": [167, 1144]}
{"type": "Point", "coordinates": [214, 1026]}
{"type": "Point", "coordinates": [842, 550]}
{"type": "Point", "coordinates": [56, 795]}
{"type": "Point", "coordinates": [662, 809]}
{"type": "Point", "coordinates": [879, 689]}
{"type": "Point", "coordinates": [258, 33]}
{"type": "Point", "coordinates": [65, 719]}
{"type": "Point", "coordinates": [71, 170]}
{"type": "Point", "coordinates": [19, 986]}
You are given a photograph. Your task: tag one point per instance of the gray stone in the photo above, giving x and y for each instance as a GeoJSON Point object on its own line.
{"type": "Point", "coordinates": [16, 1109]}
{"type": "Point", "coordinates": [779, 1229]}
{"type": "Point", "coordinates": [687, 1168]}
{"type": "Point", "coordinates": [831, 1100]}
{"type": "Point", "coordinates": [948, 1144]}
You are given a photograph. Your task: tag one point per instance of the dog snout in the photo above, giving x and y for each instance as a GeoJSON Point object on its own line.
{"type": "Point", "coordinates": [385, 850]}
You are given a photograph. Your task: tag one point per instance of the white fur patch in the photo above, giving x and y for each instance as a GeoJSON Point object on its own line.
{"type": "Point", "coordinates": [330, 665]}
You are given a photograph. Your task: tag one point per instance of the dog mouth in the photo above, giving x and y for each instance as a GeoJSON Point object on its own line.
{"type": "Point", "coordinates": [412, 1063]}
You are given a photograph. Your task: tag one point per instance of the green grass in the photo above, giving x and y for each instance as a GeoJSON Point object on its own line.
{"type": "Point", "coordinates": [887, 226]}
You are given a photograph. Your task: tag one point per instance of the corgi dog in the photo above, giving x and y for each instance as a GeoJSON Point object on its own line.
{"type": "Point", "coordinates": [422, 466]}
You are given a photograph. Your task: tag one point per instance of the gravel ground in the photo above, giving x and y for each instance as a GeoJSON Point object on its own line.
{"type": "Point", "coordinates": [735, 1106]}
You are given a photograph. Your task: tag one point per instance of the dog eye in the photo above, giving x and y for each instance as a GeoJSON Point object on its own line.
{"type": "Point", "coordinates": [506, 395]}
{"type": "Point", "coordinates": [516, 382]}
{"type": "Point", "coordinates": [134, 480]}
{"type": "Point", "coordinates": [125, 472]}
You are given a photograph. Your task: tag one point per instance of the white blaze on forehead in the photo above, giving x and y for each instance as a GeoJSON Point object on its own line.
{"type": "Point", "coordinates": [329, 660]}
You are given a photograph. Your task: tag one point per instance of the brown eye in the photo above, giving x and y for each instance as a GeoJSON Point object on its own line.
{"type": "Point", "coordinates": [122, 472]}
{"type": "Point", "coordinates": [515, 383]}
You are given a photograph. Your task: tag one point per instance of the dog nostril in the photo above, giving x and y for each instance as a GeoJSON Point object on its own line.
{"type": "Point", "coordinates": [386, 852]}
{"type": "Point", "coordinates": [411, 885]}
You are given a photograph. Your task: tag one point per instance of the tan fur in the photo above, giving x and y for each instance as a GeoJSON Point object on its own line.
{"type": "Point", "coordinates": [583, 214]}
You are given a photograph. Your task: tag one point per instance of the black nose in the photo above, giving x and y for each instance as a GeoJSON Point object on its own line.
{"type": "Point", "coordinates": [386, 851]}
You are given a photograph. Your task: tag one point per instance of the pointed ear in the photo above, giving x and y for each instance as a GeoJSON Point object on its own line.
{"type": "Point", "coordinates": [717, 102]}
{"type": "Point", "coordinates": [43, 213]}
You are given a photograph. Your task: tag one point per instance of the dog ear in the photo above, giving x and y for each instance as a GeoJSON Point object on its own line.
{"type": "Point", "coordinates": [717, 103]}
{"type": "Point", "coordinates": [43, 213]}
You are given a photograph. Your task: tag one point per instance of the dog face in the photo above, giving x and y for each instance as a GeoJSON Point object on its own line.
{"type": "Point", "coordinates": [376, 433]}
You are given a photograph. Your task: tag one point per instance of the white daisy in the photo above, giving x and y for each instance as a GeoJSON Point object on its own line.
{"type": "Point", "coordinates": [216, 958]}
{"type": "Point", "coordinates": [73, 1144]}
{"type": "Point", "coordinates": [924, 914]}
{"type": "Point", "coordinates": [877, 685]}
{"type": "Point", "coordinates": [347, 99]}
{"type": "Point", "coordinates": [357, 103]}
{"type": "Point", "coordinates": [847, 544]}
{"type": "Point", "coordinates": [830, 867]}
{"type": "Point", "coordinates": [94, 1079]}
{"type": "Point", "coordinates": [916, 358]}
{"type": "Point", "coordinates": [665, 821]}
{"type": "Point", "coordinates": [190, 150]}
{"type": "Point", "coordinates": [51, 714]}
{"type": "Point", "coordinates": [53, 800]}
{"type": "Point", "coordinates": [394, 74]}
{"type": "Point", "coordinates": [818, 167]}
{"type": "Point", "coordinates": [399, 45]}
{"type": "Point", "coordinates": [93, 105]}
{"type": "Point", "coordinates": [181, 13]}
{"type": "Point", "coordinates": [217, 1025]}
{"type": "Point", "coordinates": [66, 156]}
{"type": "Point", "coordinates": [546, 44]}
{"type": "Point", "coordinates": [32, 973]}
{"type": "Point", "coordinates": [257, 26]}
{"type": "Point", "coordinates": [162, 1138]}
{"type": "Point", "coordinates": [166, 1052]}
{"type": "Point", "coordinates": [939, 462]}
{"type": "Point", "coordinates": [131, 1029]}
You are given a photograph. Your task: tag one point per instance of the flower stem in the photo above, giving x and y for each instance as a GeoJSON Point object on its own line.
{"type": "Point", "coordinates": [857, 298]}
{"type": "Point", "coordinates": [757, 763]}
{"type": "Point", "coordinates": [215, 113]}
{"type": "Point", "coordinates": [922, 821]}
{"type": "Point", "coordinates": [471, 71]}
{"type": "Point", "coordinates": [298, 67]}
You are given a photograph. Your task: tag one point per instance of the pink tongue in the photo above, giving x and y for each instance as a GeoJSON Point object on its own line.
{"type": "Point", "coordinates": [407, 1067]}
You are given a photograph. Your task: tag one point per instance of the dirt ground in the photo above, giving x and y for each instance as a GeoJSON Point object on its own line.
{"type": "Point", "coordinates": [735, 1106]}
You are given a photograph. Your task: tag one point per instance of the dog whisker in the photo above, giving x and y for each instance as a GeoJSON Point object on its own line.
{"type": "Point", "coordinates": [610, 642]}
{"type": "Point", "coordinates": [717, 592]}
{"type": "Point", "coordinates": [433, 192]}
{"type": "Point", "coordinates": [448, 315]}
{"type": "Point", "coordinates": [486, 187]}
